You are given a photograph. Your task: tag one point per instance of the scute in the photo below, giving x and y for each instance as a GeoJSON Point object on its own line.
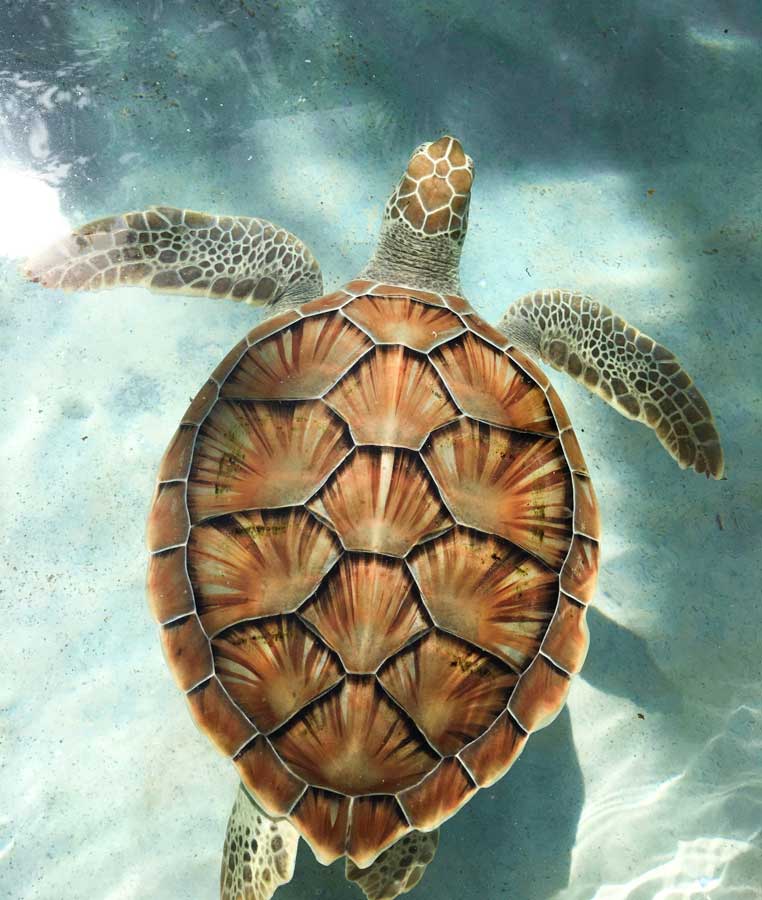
{"type": "Point", "coordinates": [392, 398]}
{"type": "Point", "coordinates": [272, 668]}
{"type": "Point", "coordinates": [381, 501]}
{"type": "Point", "coordinates": [507, 483]}
{"type": "Point", "coordinates": [355, 741]}
{"type": "Point", "coordinates": [452, 690]}
{"type": "Point", "coordinates": [488, 385]}
{"type": "Point", "coordinates": [300, 362]}
{"type": "Point", "coordinates": [487, 591]}
{"type": "Point", "coordinates": [373, 543]}
{"type": "Point", "coordinates": [257, 563]}
{"type": "Point", "coordinates": [366, 609]}
{"type": "Point", "coordinates": [253, 454]}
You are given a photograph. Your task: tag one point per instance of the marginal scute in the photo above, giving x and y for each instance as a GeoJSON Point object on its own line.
{"type": "Point", "coordinates": [168, 523]}
{"type": "Point", "coordinates": [275, 789]}
{"type": "Point", "coordinates": [218, 717]}
{"type": "Point", "coordinates": [514, 485]}
{"type": "Point", "coordinates": [586, 516]}
{"type": "Point", "coordinates": [390, 290]}
{"type": "Point", "coordinates": [366, 610]}
{"type": "Point", "coordinates": [186, 649]}
{"type": "Point", "coordinates": [573, 452]}
{"type": "Point", "coordinates": [452, 690]}
{"type": "Point", "coordinates": [487, 385]}
{"type": "Point", "coordinates": [257, 563]}
{"type": "Point", "coordinates": [201, 404]}
{"type": "Point", "coordinates": [489, 757]}
{"type": "Point", "coordinates": [328, 303]}
{"type": "Point", "coordinates": [271, 325]}
{"type": "Point", "coordinates": [355, 741]}
{"type": "Point", "coordinates": [391, 398]}
{"type": "Point", "coordinates": [540, 695]}
{"type": "Point", "coordinates": [487, 591]}
{"type": "Point", "coordinates": [580, 571]}
{"type": "Point", "coordinates": [252, 454]}
{"type": "Point", "coordinates": [458, 304]}
{"type": "Point", "coordinates": [323, 818]}
{"type": "Point", "coordinates": [485, 330]}
{"type": "Point", "coordinates": [381, 501]}
{"type": "Point", "coordinates": [229, 362]}
{"type": "Point", "coordinates": [357, 287]}
{"type": "Point", "coordinates": [169, 590]}
{"type": "Point", "coordinates": [399, 320]}
{"type": "Point", "coordinates": [299, 362]}
{"type": "Point", "coordinates": [375, 824]}
{"type": "Point", "coordinates": [559, 410]}
{"type": "Point", "coordinates": [567, 637]}
{"type": "Point", "coordinates": [272, 668]}
{"type": "Point", "coordinates": [176, 461]}
{"type": "Point", "coordinates": [439, 796]}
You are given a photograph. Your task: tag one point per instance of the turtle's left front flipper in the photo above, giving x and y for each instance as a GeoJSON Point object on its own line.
{"type": "Point", "coordinates": [170, 250]}
{"type": "Point", "coordinates": [629, 370]}
{"type": "Point", "coordinates": [259, 854]}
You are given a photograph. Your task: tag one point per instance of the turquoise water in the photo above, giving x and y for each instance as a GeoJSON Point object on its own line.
{"type": "Point", "coordinates": [617, 148]}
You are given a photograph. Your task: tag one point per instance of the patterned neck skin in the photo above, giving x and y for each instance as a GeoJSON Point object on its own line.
{"type": "Point", "coordinates": [425, 221]}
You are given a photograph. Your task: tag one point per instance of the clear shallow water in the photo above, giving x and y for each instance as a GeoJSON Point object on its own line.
{"type": "Point", "coordinates": [618, 152]}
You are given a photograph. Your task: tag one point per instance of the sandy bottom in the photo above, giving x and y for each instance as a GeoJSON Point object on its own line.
{"type": "Point", "coordinates": [614, 154]}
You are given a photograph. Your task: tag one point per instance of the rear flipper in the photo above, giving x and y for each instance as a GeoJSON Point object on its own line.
{"type": "Point", "coordinates": [629, 370]}
{"type": "Point", "coordinates": [398, 869]}
{"type": "Point", "coordinates": [259, 854]}
{"type": "Point", "coordinates": [172, 250]}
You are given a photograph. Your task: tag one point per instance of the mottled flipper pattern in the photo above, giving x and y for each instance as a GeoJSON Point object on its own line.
{"type": "Point", "coordinates": [259, 853]}
{"type": "Point", "coordinates": [398, 869]}
{"type": "Point", "coordinates": [172, 250]}
{"type": "Point", "coordinates": [629, 370]}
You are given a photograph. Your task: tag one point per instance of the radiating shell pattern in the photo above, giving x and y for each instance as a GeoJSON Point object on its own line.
{"type": "Point", "coordinates": [373, 542]}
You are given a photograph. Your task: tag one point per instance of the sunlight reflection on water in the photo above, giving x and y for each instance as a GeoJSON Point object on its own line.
{"type": "Point", "coordinates": [32, 216]}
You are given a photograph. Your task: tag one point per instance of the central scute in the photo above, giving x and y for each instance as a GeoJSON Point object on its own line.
{"type": "Point", "coordinates": [380, 508]}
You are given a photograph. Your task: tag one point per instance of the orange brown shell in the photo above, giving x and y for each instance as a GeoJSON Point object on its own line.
{"type": "Point", "coordinates": [373, 542]}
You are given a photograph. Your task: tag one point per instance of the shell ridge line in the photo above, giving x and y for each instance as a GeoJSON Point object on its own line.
{"type": "Point", "coordinates": [344, 373]}
{"type": "Point", "coordinates": [288, 768]}
{"type": "Point", "coordinates": [556, 665]}
{"type": "Point", "coordinates": [406, 717]}
{"type": "Point", "coordinates": [463, 524]}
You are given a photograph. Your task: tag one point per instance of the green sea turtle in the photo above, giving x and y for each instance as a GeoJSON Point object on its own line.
{"type": "Point", "coordinates": [374, 536]}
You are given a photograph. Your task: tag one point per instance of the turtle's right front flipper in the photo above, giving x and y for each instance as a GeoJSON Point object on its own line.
{"type": "Point", "coordinates": [633, 373]}
{"type": "Point", "coordinates": [172, 250]}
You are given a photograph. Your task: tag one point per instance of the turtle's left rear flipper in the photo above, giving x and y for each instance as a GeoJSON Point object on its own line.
{"type": "Point", "coordinates": [259, 853]}
{"type": "Point", "coordinates": [629, 370]}
{"type": "Point", "coordinates": [172, 250]}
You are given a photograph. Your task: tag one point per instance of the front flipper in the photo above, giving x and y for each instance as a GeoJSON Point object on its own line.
{"type": "Point", "coordinates": [172, 250]}
{"type": "Point", "coordinates": [259, 854]}
{"type": "Point", "coordinates": [398, 869]}
{"type": "Point", "coordinates": [629, 370]}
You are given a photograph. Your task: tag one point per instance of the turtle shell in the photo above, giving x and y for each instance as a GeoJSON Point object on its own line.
{"type": "Point", "coordinates": [373, 541]}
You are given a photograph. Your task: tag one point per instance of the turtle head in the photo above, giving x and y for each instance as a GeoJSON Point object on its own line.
{"type": "Point", "coordinates": [433, 194]}
{"type": "Point", "coordinates": [426, 218]}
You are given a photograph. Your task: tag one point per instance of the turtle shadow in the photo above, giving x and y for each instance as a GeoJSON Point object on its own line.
{"type": "Point", "coordinates": [621, 664]}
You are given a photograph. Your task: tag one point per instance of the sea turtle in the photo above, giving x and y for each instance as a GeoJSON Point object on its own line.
{"type": "Point", "coordinates": [374, 536]}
